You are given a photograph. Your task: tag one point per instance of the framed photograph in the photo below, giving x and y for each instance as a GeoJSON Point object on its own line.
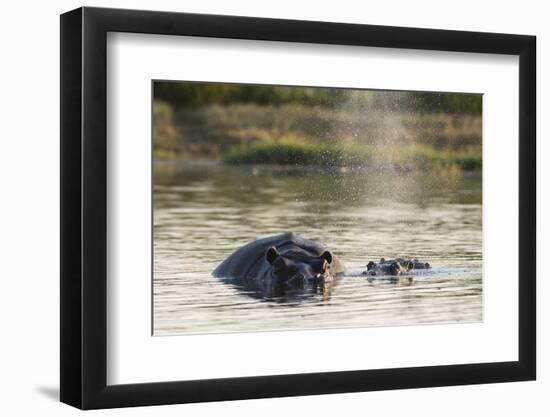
{"type": "Point", "coordinates": [257, 208]}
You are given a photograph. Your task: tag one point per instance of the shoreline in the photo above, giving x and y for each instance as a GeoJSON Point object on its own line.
{"type": "Point", "coordinates": [171, 163]}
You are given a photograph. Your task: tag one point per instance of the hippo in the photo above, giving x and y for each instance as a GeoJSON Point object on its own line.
{"type": "Point", "coordinates": [416, 264]}
{"type": "Point", "coordinates": [394, 267]}
{"type": "Point", "coordinates": [281, 267]}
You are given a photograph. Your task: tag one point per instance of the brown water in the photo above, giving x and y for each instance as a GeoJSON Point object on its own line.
{"type": "Point", "coordinates": [203, 212]}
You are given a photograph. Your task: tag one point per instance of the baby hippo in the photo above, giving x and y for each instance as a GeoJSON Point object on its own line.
{"type": "Point", "coordinates": [392, 267]}
{"type": "Point", "coordinates": [416, 264]}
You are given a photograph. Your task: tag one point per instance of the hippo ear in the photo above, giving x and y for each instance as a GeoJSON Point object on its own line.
{"type": "Point", "coordinates": [327, 256]}
{"type": "Point", "coordinates": [271, 254]}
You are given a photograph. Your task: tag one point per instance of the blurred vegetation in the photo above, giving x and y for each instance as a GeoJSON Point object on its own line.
{"type": "Point", "coordinates": [195, 95]}
{"type": "Point", "coordinates": [411, 158]}
{"type": "Point", "coordinates": [165, 134]}
{"type": "Point", "coordinates": [317, 126]}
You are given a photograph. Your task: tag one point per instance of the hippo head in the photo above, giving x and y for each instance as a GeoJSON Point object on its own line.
{"type": "Point", "coordinates": [420, 265]}
{"type": "Point", "coordinates": [391, 267]}
{"type": "Point", "coordinates": [293, 266]}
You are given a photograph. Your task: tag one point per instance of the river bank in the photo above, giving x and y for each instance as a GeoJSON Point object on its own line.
{"type": "Point", "coordinates": [302, 135]}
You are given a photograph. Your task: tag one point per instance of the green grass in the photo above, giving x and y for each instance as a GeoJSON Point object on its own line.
{"type": "Point", "coordinates": [211, 131]}
{"type": "Point", "coordinates": [294, 134]}
{"type": "Point", "coordinates": [405, 158]}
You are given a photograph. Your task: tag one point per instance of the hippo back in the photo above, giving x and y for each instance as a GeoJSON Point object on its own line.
{"type": "Point", "coordinates": [249, 261]}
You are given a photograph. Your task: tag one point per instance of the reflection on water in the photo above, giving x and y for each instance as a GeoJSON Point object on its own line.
{"type": "Point", "coordinates": [203, 212]}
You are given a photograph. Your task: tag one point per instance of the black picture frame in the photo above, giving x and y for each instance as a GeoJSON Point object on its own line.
{"type": "Point", "coordinates": [84, 207]}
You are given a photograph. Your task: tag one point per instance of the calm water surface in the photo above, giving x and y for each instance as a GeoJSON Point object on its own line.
{"type": "Point", "coordinates": [203, 212]}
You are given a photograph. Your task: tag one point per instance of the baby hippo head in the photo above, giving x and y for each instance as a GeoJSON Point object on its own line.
{"type": "Point", "coordinates": [390, 267]}
{"type": "Point", "coordinates": [293, 266]}
{"type": "Point", "coordinates": [416, 264]}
